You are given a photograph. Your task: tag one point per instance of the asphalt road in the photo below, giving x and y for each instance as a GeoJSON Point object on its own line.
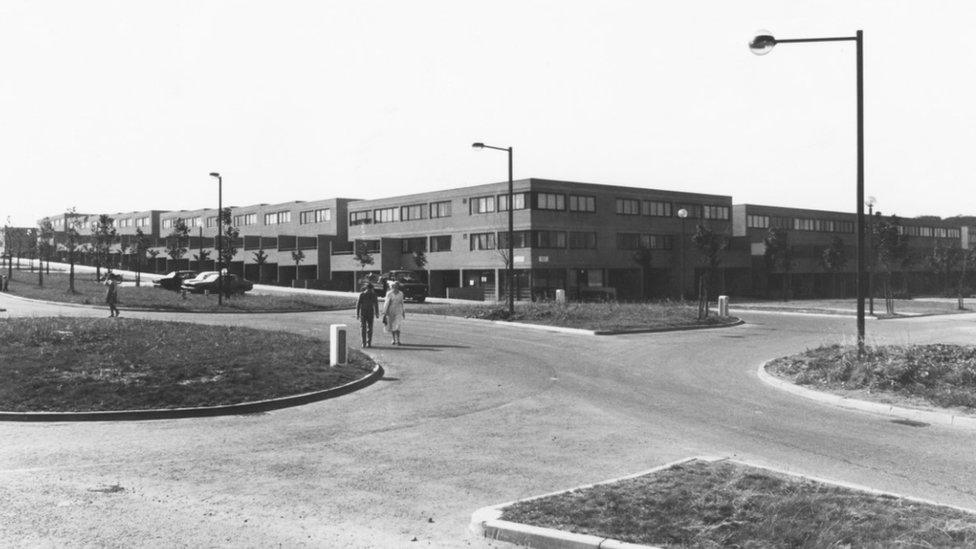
{"type": "Point", "coordinates": [469, 414]}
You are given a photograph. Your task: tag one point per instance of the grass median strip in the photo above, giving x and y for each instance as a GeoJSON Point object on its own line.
{"type": "Point", "coordinates": [89, 292]}
{"type": "Point", "coordinates": [939, 375]}
{"type": "Point", "coordinates": [609, 316]}
{"type": "Point", "coordinates": [79, 364]}
{"type": "Point", "coordinates": [727, 504]}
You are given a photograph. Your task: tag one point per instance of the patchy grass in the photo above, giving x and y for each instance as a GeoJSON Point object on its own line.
{"type": "Point", "coordinates": [903, 307]}
{"type": "Point", "coordinates": [89, 292]}
{"type": "Point", "coordinates": [723, 504]}
{"type": "Point", "coordinates": [75, 364]}
{"type": "Point", "coordinates": [609, 316]}
{"type": "Point", "coordinates": [936, 375]}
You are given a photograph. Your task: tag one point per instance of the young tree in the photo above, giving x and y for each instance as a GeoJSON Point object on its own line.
{"type": "Point", "coordinates": [642, 257]}
{"type": "Point", "coordinates": [177, 241]}
{"type": "Point", "coordinates": [200, 257]}
{"type": "Point", "coordinates": [892, 253]}
{"type": "Point", "coordinates": [941, 260]}
{"type": "Point", "coordinates": [420, 260]}
{"type": "Point", "coordinates": [779, 256]}
{"type": "Point", "coordinates": [260, 258]}
{"type": "Point", "coordinates": [363, 255]}
{"type": "Point", "coordinates": [709, 244]}
{"type": "Point", "coordinates": [139, 249]}
{"type": "Point", "coordinates": [834, 259]}
{"type": "Point", "coordinates": [228, 241]}
{"type": "Point", "coordinates": [152, 255]}
{"type": "Point", "coordinates": [71, 241]}
{"type": "Point", "coordinates": [45, 239]}
{"type": "Point", "coordinates": [102, 237]}
{"type": "Point", "coordinates": [297, 256]}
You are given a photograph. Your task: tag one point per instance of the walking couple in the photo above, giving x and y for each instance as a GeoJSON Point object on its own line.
{"type": "Point", "coordinates": [367, 309]}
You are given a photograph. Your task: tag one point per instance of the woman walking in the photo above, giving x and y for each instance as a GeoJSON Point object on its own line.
{"type": "Point", "coordinates": [393, 312]}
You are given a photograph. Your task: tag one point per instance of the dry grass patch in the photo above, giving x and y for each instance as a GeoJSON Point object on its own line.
{"type": "Point", "coordinates": [725, 504]}
{"type": "Point", "coordinates": [79, 364]}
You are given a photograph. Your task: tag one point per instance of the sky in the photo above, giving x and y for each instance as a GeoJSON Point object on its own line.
{"type": "Point", "coordinates": [116, 106]}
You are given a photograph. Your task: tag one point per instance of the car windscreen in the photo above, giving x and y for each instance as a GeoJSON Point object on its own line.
{"type": "Point", "coordinates": [406, 277]}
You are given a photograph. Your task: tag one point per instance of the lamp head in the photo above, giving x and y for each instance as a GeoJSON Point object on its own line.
{"type": "Point", "coordinates": [762, 43]}
{"type": "Point", "coordinates": [682, 213]}
{"type": "Point", "coordinates": [478, 145]}
{"type": "Point", "coordinates": [871, 201]}
{"type": "Point", "coordinates": [214, 174]}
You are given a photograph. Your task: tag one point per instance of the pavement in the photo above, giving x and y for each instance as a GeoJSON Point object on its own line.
{"type": "Point", "coordinates": [467, 415]}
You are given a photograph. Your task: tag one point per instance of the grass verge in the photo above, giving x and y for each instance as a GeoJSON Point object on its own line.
{"type": "Point", "coordinates": [610, 316]}
{"type": "Point", "coordinates": [724, 504]}
{"type": "Point", "coordinates": [903, 307]}
{"type": "Point", "coordinates": [78, 364]}
{"type": "Point", "coordinates": [929, 375]}
{"type": "Point", "coordinates": [89, 292]}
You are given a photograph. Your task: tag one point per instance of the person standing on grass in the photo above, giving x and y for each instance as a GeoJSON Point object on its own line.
{"type": "Point", "coordinates": [367, 309]}
{"type": "Point", "coordinates": [112, 294]}
{"type": "Point", "coordinates": [393, 313]}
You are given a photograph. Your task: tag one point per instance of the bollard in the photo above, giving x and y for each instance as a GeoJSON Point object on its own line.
{"type": "Point", "coordinates": [560, 296]}
{"type": "Point", "coordinates": [338, 348]}
{"type": "Point", "coordinates": [723, 305]}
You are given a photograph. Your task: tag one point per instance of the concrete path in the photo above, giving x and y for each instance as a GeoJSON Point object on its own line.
{"type": "Point", "coordinates": [470, 414]}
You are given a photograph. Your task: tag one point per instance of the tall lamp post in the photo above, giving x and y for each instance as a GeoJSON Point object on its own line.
{"type": "Point", "coordinates": [510, 273]}
{"type": "Point", "coordinates": [870, 204]}
{"type": "Point", "coordinates": [762, 44]}
{"type": "Point", "coordinates": [682, 213]}
{"type": "Point", "coordinates": [220, 238]}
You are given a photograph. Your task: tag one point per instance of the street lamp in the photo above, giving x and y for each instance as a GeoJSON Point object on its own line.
{"type": "Point", "coordinates": [870, 202]}
{"type": "Point", "coordinates": [762, 44]}
{"type": "Point", "coordinates": [220, 238]}
{"type": "Point", "coordinates": [682, 213]}
{"type": "Point", "coordinates": [510, 273]}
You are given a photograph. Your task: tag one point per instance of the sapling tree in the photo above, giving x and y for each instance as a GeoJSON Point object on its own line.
{"type": "Point", "coordinates": [778, 256]}
{"type": "Point", "coordinates": [834, 259]}
{"type": "Point", "coordinates": [710, 245]}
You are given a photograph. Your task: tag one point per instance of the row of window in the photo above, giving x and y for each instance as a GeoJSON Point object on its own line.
{"type": "Point", "coordinates": [938, 232]}
{"type": "Point", "coordinates": [306, 217]}
{"type": "Point", "coordinates": [578, 240]}
{"type": "Point", "coordinates": [837, 226]}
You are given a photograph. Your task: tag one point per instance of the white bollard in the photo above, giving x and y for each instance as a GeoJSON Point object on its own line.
{"type": "Point", "coordinates": [338, 347]}
{"type": "Point", "coordinates": [560, 296]}
{"type": "Point", "coordinates": [723, 305]}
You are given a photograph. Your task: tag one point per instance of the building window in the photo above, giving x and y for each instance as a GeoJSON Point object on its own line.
{"type": "Point", "coordinates": [238, 219]}
{"type": "Point", "coordinates": [803, 224]}
{"type": "Point", "coordinates": [251, 219]}
{"type": "Point", "coordinates": [550, 201]}
{"type": "Point", "coordinates": [360, 218]}
{"type": "Point", "coordinates": [386, 215]}
{"type": "Point", "coordinates": [777, 222]}
{"type": "Point", "coordinates": [141, 222]}
{"type": "Point", "coordinates": [655, 208]}
{"type": "Point", "coordinates": [925, 231]}
{"type": "Point", "coordinates": [591, 278]}
{"type": "Point", "coordinates": [440, 209]}
{"type": "Point", "coordinates": [628, 206]}
{"type": "Point", "coordinates": [517, 198]}
{"type": "Point", "coordinates": [757, 221]}
{"type": "Point", "coordinates": [635, 241]}
{"type": "Point", "coordinates": [955, 233]}
{"type": "Point", "coordinates": [315, 216]}
{"type": "Point", "coordinates": [411, 245]}
{"type": "Point", "coordinates": [522, 239]}
{"type": "Point", "coordinates": [211, 221]}
{"type": "Point", "coordinates": [410, 213]}
{"type": "Point", "coordinates": [482, 204]}
{"type": "Point", "coordinates": [694, 210]}
{"type": "Point", "coordinates": [482, 241]}
{"type": "Point", "coordinates": [579, 203]}
{"type": "Point", "coordinates": [716, 212]}
{"type": "Point", "coordinates": [580, 240]}
{"type": "Point", "coordinates": [167, 223]}
{"type": "Point", "coordinates": [549, 239]}
{"type": "Point", "coordinates": [441, 243]}
{"type": "Point", "coordinates": [271, 218]}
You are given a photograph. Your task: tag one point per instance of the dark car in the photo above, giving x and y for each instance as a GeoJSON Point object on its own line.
{"type": "Point", "coordinates": [173, 280]}
{"type": "Point", "coordinates": [410, 284]}
{"type": "Point", "coordinates": [210, 282]}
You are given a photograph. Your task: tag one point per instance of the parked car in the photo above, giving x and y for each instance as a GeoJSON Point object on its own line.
{"type": "Point", "coordinates": [411, 284]}
{"type": "Point", "coordinates": [210, 282]}
{"type": "Point", "coordinates": [173, 280]}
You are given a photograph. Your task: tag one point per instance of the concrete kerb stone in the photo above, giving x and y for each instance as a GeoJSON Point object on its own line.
{"type": "Point", "coordinates": [486, 522]}
{"type": "Point", "coordinates": [209, 411]}
{"type": "Point", "coordinates": [928, 416]}
{"type": "Point", "coordinates": [582, 331]}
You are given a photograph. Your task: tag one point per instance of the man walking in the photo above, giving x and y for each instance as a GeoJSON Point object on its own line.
{"type": "Point", "coordinates": [112, 294]}
{"type": "Point", "coordinates": [367, 309]}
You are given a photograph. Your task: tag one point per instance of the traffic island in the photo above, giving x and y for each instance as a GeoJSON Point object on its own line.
{"type": "Point", "coordinates": [722, 502]}
{"type": "Point", "coordinates": [59, 369]}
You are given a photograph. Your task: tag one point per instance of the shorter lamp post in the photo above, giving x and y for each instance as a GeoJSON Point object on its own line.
{"type": "Point", "coordinates": [870, 202]}
{"type": "Point", "coordinates": [220, 238]}
{"type": "Point", "coordinates": [682, 213]}
{"type": "Point", "coordinates": [509, 270]}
